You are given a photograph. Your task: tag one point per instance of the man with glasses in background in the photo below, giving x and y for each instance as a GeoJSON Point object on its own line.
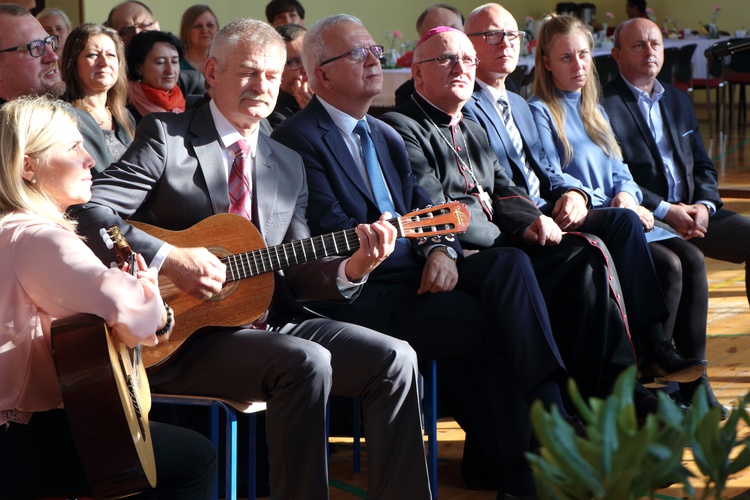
{"type": "Point", "coordinates": [294, 92]}
{"type": "Point", "coordinates": [28, 66]}
{"type": "Point", "coordinates": [28, 63]}
{"type": "Point", "coordinates": [132, 17]}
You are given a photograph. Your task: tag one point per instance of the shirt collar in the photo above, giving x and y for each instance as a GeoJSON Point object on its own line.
{"type": "Point", "coordinates": [493, 93]}
{"type": "Point", "coordinates": [228, 134]}
{"type": "Point", "coordinates": [343, 121]}
{"type": "Point", "coordinates": [655, 96]}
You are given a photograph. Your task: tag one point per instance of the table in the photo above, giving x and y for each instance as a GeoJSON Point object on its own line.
{"type": "Point", "coordinates": [392, 79]}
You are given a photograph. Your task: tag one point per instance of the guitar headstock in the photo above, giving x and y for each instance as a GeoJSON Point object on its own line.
{"type": "Point", "coordinates": [449, 218]}
{"type": "Point", "coordinates": [115, 240]}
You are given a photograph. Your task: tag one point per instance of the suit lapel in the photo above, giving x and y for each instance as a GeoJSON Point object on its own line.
{"type": "Point", "coordinates": [339, 151]}
{"type": "Point", "coordinates": [672, 130]}
{"type": "Point", "coordinates": [208, 152]}
{"type": "Point", "coordinates": [635, 113]}
{"type": "Point", "coordinates": [487, 108]}
{"type": "Point", "coordinates": [264, 181]}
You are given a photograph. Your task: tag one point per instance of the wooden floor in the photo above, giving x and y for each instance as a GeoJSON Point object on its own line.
{"type": "Point", "coordinates": [728, 348]}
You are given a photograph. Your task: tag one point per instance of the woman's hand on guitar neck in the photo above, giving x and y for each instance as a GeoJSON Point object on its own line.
{"type": "Point", "coordinates": [376, 243]}
{"type": "Point", "coordinates": [195, 271]}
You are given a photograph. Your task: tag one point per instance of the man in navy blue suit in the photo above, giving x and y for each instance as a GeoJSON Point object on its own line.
{"type": "Point", "coordinates": [490, 28]}
{"type": "Point", "coordinates": [431, 294]}
{"type": "Point", "coordinates": [664, 149]}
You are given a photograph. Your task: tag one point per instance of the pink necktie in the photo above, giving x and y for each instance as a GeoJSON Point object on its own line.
{"type": "Point", "coordinates": [239, 186]}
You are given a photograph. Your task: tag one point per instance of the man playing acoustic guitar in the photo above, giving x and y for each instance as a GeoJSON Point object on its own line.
{"type": "Point", "coordinates": [184, 168]}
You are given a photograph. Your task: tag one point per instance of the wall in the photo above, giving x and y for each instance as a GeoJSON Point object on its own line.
{"type": "Point", "coordinates": [386, 15]}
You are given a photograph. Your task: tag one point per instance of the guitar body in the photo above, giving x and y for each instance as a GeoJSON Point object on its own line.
{"type": "Point", "coordinates": [248, 288]}
{"type": "Point", "coordinates": [240, 302]}
{"type": "Point", "coordinates": [107, 406]}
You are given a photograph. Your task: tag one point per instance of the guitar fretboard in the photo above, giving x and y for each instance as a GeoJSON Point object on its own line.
{"type": "Point", "coordinates": [264, 260]}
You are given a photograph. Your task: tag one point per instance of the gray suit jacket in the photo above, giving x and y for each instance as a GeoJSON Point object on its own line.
{"type": "Point", "coordinates": [173, 176]}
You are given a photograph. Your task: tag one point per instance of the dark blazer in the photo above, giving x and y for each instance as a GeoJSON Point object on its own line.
{"type": "Point", "coordinates": [339, 197]}
{"type": "Point", "coordinates": [94, 141]}
{"type": "Point", "coordinates": [173, 176]}
{"type": "Point", "coordinates": [191, 82]}
{"type": "Point", "coordinates": [436, 168]}
{"type": "Point", "coordinates": [640, 152]}
{"type": "Point", "coordinates": [286, 106]}
{"type": "Point", "coordinates": [481, 109]}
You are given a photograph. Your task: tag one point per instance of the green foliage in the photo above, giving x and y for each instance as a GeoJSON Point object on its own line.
{"type": "Point", "coordinates": [623, 459]}
{"type": "Point", "coordinates": [715, 448]}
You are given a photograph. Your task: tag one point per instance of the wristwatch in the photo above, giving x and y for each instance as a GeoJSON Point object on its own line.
{"type": "Point", "coordinates": [449, 251]}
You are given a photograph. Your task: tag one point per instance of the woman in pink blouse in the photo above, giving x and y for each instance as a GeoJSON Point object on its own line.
{"type": "Point", "coordinates": [48, 272]}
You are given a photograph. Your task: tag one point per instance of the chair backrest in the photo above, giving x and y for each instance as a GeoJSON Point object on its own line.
{"type": "Point", "coordinates": [670, 62]}
{"type": "Point", "coordinates": [740, 61]}
{"type": "Point", "coordinates": [606, 67]}
{"type": "Point", "coordinates": [518, 76]}
{"type": "Point", "coordinates": [683, 70]}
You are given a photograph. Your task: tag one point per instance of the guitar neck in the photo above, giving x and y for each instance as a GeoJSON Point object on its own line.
{"type": "Point", "coordinates": [268, 259]}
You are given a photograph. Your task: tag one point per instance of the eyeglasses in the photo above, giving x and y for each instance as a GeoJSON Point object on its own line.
{"type": "Point", "coordinates": [496, 37]}
{"type": "Point", "coordinates": [37, 47]}
{"type": "Point", "coordinates": [129, 31]}
{"type": "Point", "coordinates": [294, 63]}
{"type": "Point", "coordinates": [359, 54]}
{"type": "Point", "coordinates": [450, 61]}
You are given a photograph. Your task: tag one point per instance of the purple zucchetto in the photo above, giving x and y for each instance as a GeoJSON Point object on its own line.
{"type": "Point", "coordinates": [434, 31]}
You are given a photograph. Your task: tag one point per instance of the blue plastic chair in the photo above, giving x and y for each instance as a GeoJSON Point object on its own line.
{"type": "Point", "coordinates": [231, 408]}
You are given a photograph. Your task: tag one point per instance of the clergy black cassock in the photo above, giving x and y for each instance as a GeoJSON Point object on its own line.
{"type": "Point", "coordinates": [579, 284]}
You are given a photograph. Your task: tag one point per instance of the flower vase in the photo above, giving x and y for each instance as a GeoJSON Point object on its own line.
{"type": "Point", "coordinates": [391, 58]}
{"type": "Point", "coordinates": [713, 31]}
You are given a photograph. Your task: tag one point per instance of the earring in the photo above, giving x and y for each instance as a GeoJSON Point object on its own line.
{"type": "Point", "coordinates": [33, 180]}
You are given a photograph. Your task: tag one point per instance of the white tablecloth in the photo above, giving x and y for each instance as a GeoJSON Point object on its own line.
{"type": "Point", "coordinates": [392, 79]}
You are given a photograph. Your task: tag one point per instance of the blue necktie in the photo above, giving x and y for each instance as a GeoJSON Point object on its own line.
{"type": "Point", "coordinates": [377, 182]}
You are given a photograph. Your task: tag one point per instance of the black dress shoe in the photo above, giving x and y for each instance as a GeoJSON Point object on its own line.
{"type": "Point", "coordinates": [664, 363]}
{"type": "Point", "coordinates": [688, 389]}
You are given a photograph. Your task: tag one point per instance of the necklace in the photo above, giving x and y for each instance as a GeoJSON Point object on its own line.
{"type": "Point", "coordinates": [95, 115]}
{"type": "Point", "coordinates": [477, 190]}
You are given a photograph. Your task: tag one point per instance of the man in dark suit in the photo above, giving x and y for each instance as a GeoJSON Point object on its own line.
{"type": "Point", "coordinates": [424, 293]}
{"type": "Point", "coordinates": [183, 168]}
{"type": "Point", "coordinates": [453, 160]}
{"type": "Point", "coordinates": [566, 202]}
{"type": "Point", "coordinates": [656, 126]}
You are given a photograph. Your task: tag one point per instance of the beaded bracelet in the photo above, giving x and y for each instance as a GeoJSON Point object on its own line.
{"type": "Point", "coordinates": [168, 324]}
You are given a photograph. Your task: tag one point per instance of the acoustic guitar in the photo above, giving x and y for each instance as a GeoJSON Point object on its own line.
{"type": "Point", "coordinates": [248, 287]}
{"type": "Point", "coordinates": [107, 398]}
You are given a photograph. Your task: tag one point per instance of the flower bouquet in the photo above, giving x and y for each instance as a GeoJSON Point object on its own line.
{"type": "Point", "coordinates": [391, 52]}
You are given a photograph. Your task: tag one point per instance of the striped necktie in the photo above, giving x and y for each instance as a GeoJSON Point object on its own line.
{"type": "Point", "coordinates": [374, 173]}
{"type": "Point", "coordinates": [531, 179]}
{"type": "Point", "coordinates": [240, 199]}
